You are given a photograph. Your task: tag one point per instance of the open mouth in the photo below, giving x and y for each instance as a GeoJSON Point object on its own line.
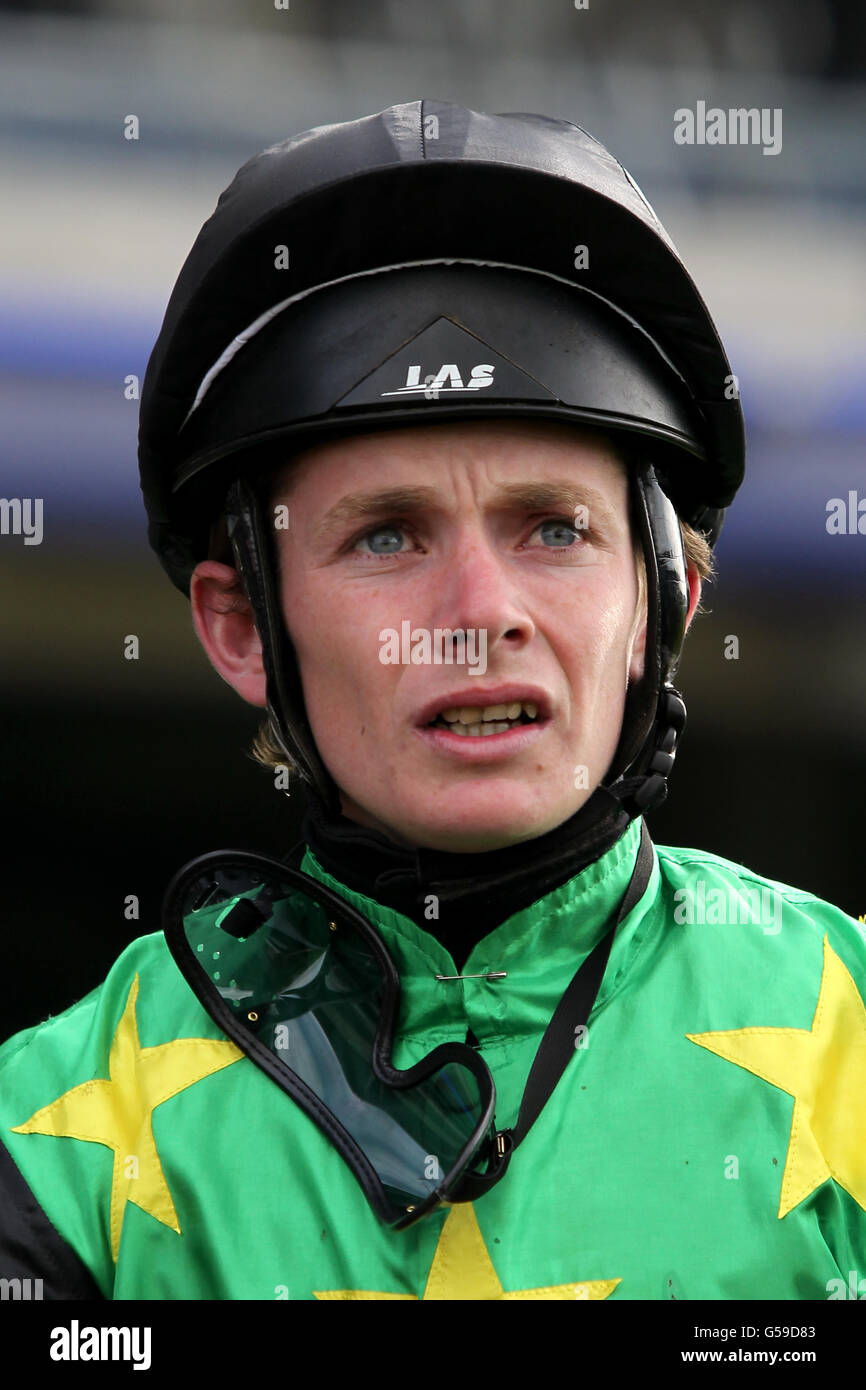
{"type": "Point", "coordinates": [476, 721]}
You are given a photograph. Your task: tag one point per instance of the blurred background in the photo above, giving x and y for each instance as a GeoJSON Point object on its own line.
{"type": "Point", "coordinates": [115, 772]}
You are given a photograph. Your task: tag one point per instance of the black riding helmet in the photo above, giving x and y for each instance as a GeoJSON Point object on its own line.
{"type": "Point", "coordinates": [424, 264]}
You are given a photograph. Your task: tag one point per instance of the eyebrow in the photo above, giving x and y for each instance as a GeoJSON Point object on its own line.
{"type": "Point", "coordinates": [411, 501]}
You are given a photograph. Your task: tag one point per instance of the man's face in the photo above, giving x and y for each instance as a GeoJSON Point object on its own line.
{"type": "Point", "coordinates": [468, 527]}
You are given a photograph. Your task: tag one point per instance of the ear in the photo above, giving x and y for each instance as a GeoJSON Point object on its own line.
{"type": "Point", "coordinates": [638, 651]}
{"type": "Point", "coordinates": [694, 593]}
{"type": "Point", "coordinates": [223, 619]}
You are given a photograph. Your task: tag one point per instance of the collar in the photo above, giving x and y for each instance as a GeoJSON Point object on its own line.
{"type": "Point", "coordinates": [540, 947]}
{"type": "Point", "coordinates": [462, 897]}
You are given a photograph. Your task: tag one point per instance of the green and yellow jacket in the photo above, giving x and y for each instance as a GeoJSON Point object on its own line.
{"type": "Point", "coordinates": [707, 1139]}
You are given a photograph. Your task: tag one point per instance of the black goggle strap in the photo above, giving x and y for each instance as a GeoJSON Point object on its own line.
{"type": "Point", "coordinates": [558, 1044]}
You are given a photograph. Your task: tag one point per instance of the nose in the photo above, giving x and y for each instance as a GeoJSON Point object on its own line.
{"type": "Point", "coordinates": [479, 591]}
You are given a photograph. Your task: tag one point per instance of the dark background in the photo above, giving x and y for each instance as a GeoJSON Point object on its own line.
{"type": "Point", "coordinates": [115, 772]}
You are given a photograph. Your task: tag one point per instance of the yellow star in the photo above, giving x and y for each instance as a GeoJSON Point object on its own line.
{"type": "Point", "coordinates": [824, 1069]}
{"type": "Point", "coordinates": [118, 1112]}
{"type": "Point", "coordinates": [462, 1269]}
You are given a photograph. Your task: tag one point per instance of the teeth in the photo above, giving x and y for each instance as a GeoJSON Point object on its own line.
{"type": "Point", "coordinates": [483, 730]}
{"type": "Point", "coordinates": [471, 721]}
{"type": "Point", "coordinates": [471, 716]}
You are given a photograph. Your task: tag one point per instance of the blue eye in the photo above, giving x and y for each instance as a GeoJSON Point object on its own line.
{"type": "Point", "coordinates": [393, 536]}
{"type": "Point", "coordinates": [559, 533]}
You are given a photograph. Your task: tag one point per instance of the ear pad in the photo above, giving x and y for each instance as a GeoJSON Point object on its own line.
{"type": "Point", "coordinates": [658, 529]}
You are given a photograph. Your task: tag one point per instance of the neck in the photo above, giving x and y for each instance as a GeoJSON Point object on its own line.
{"type": "Point", "coordinates": [459, 898]}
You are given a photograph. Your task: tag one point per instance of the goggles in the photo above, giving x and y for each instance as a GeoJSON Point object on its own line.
{"type": "Point", "coordinates": [305, 986]}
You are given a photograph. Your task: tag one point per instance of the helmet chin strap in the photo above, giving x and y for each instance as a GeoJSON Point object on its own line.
{"type": "Point", "coordinates": [254, 547]}
{"type": "Point", "coordinates": [655, 713]}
